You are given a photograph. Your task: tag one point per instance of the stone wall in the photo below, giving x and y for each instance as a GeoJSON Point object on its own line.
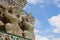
{"type": "Point", "coordinates": [15, 21]}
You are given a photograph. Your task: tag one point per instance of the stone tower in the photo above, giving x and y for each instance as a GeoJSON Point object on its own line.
{"type": "Point", "coordinates": [13, 20]}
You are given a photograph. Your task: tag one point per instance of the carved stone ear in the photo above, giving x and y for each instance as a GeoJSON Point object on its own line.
{"type": "Point", "coordinates": [1, 23]}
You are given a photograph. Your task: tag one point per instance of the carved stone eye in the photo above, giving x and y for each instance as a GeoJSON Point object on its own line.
{"type": "Point", "coordinates": [0, 12]}
{"type": "Point", "coordinates": [9, 11]}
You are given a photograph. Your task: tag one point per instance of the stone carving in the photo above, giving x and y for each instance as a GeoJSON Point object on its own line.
{"type": "Point", "coordinates": [15, 21]}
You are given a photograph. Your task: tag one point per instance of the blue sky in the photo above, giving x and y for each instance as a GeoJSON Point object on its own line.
{"type": "Point", "coordinates": [47, 18]}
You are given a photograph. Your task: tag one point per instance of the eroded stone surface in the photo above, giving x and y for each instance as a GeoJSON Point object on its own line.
{"type": "Point", "coordinates": [15, 21]}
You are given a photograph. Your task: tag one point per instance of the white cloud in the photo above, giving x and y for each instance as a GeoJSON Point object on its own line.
{"type": "Point", "coordinates": [57, 30]}
{"type": "Point", "coordinates": [57, 3]}
{"type": "Point", "coordinates": [37, 23]}
{"type": "Point", "coordinates": [51, 36]}
{"type": "Point", "coordinates": [37, 26]}
{"type": "Point", "coordinates": [36, 31]}
{"type": "Point", "coordinates": [55, 21]}
{"type": "Point", "coordinates": [41, 3]}
{"type": "Point", "coordinates": [55, 38]}
{"type": "Point", "coordinates": [38, 37]}
{"type": "Point", "coordinates": [44, 3]}
{"type": "Point", "coordinates": [33, 1]}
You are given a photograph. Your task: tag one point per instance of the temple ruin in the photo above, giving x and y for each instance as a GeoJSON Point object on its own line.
{"type": "Point", "coordinates": [15, 24]}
